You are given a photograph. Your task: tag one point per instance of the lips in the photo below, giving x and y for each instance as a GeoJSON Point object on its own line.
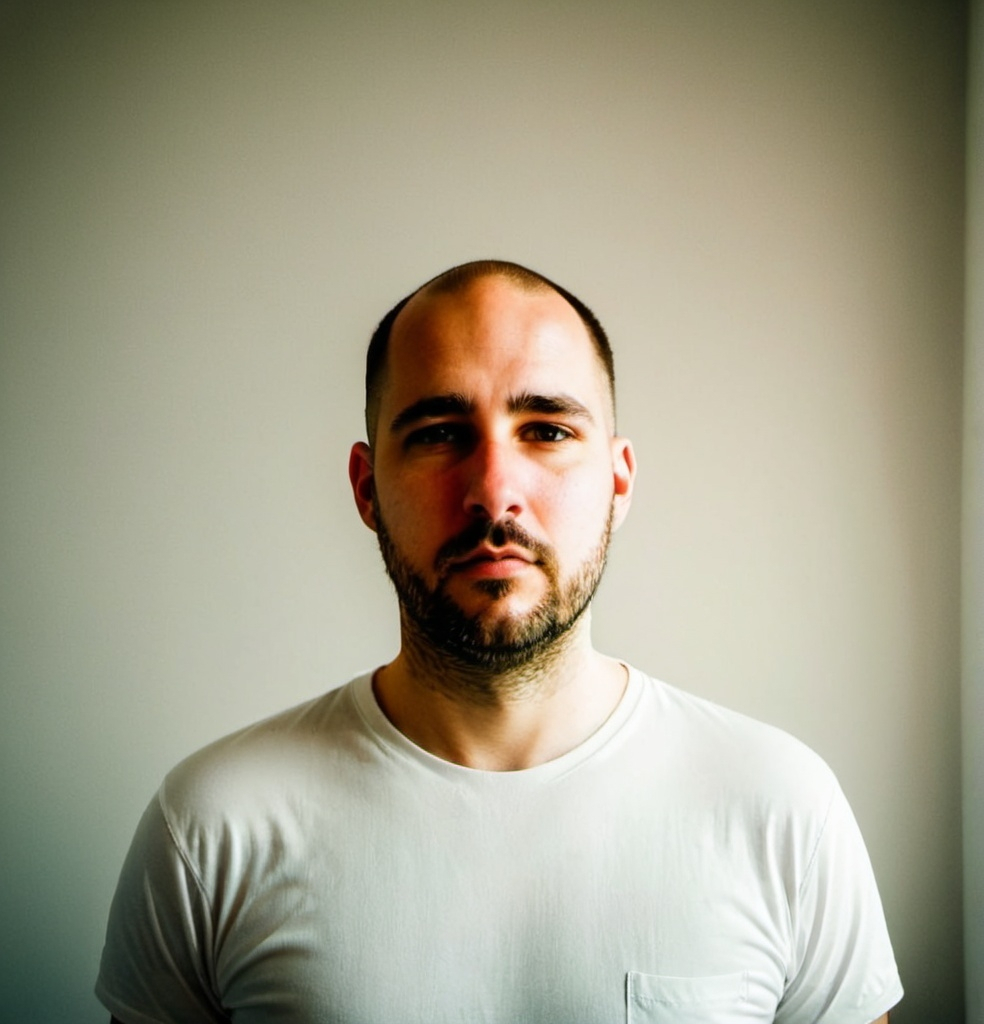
{"type": "Point", "coordinates": [483, 554]}
{"type": "Point", "coordinates": [489, 548]}
{"type": "Point", "coordinates": [492, 563]}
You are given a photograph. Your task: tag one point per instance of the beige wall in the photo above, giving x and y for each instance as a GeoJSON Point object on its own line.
{"type": "Point", "coordinates": [207, 205]}
{"type": "Point", "coordinates": [973, 537]}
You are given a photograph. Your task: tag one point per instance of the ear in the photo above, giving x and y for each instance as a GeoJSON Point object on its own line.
{"type": "Point", "coordinates": [624, 471]}
{"type": "Point", "coordinates": [360, 476]}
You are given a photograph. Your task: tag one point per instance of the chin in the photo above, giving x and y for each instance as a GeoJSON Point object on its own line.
{"type": "Point", "coordinates": [498, 600]}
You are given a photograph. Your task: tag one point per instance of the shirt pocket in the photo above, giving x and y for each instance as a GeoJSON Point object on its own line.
{"type": "Point", "coordinates": [714, 999]}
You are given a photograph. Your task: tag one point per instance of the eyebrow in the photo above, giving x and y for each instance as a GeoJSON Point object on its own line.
{"type": "Point", "coordinates": [456, 404]}
{"type": "Point", "coordinates": [453, 404]}
{"type": "Point", "coordinates": [550, 405]}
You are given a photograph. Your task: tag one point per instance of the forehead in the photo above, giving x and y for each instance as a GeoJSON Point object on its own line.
{"type": "Point", "coordinates": [490, 339]}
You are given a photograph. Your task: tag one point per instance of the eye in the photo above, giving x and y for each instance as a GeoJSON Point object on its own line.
{"type": "Point", "coordinates": [546, 433]}
{"type": "Point", "coordinates": [436, 434]}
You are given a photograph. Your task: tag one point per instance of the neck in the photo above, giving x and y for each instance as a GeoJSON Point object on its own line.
{"type": "Point", "coordinates": [506, 718]}
{"type": "Point", "coordinates": [500, 681]}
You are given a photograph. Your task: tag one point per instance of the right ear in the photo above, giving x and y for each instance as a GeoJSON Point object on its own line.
{"type": "Point", "coordinates": [360, 476]}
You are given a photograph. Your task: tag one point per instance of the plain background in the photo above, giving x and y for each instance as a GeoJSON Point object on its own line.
{"type": "Point", "coordinates": [972, 553]}
{"type": "Point", "coordinates": [207, 205]}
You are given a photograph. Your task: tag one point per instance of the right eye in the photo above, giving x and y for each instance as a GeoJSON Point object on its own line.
{"type": "Point", "coordinates": [436, 434]}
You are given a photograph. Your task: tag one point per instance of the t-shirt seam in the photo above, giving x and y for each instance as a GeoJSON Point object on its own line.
{"type": "Point", "coordinates": [807, 873]}
{"type": "Point", "coordinates": [203, 892]}
{"type": "Point", "coordinates": [815, 852]}
{"type": "Point", "coordinates": [185, 856]}
{"type": "Point", "coordinates": [390, 751]}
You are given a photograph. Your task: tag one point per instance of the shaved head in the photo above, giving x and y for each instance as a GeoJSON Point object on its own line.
{"type": "Point", "coordinates": [457, 279]}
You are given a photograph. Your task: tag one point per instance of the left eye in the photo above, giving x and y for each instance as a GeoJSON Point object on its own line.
{"type": "Point", "coordinates": [546, 432]}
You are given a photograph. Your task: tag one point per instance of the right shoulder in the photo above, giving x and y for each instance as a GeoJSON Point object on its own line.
{"type": "Point", "coordinates": [252, 766]}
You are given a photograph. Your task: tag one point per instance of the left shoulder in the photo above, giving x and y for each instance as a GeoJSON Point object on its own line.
{"type": "Point", "coordinates": [737, 754]}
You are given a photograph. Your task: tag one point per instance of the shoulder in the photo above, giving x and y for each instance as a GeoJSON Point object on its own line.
{"type": "Point", "coordinates": [253, 767]}
{"type": "Point", "coordinates": [733, 754]}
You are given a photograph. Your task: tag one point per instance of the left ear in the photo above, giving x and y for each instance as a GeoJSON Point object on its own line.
{"type": "Point", "coordinates": [624, 471]}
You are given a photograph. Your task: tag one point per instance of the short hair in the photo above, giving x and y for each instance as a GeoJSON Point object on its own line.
{"type": "Point", "coordinates": [454, 280]}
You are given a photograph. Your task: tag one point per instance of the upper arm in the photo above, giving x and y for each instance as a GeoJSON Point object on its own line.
{"type": "Point", "coordinates": [154, 963]}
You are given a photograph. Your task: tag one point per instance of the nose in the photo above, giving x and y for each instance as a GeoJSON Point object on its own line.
{"type": "Point", "coordinates": [493, 479]}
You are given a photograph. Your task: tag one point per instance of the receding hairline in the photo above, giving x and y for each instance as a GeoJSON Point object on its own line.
{"type": "Point", "coordinates": [456, 280]}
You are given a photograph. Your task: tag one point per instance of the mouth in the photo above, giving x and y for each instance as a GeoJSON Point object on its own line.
{"type": "Point", "coordinates": [488, 562]}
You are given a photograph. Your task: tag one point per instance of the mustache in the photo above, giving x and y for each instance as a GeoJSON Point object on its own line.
{"type": "Point", "coordinates": [498, 534]}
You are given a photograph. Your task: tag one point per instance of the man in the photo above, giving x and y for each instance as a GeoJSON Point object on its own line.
{"type": "Point", "coordinates": [502, 824]}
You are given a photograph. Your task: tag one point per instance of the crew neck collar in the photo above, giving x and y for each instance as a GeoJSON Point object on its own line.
{"type": "Point", "coordinates": [396, 744]}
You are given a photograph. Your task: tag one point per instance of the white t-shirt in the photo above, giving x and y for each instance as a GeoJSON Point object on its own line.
{"type": "Point", "coordinates": [684, 864]}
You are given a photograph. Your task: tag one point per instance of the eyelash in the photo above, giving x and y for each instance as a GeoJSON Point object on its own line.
{"type": "Point", "coordinates": [458, 434]}
{"type": "Point", "coordinates": [550, 428]}
{"type": "Point", "coordinates": [450, 433]}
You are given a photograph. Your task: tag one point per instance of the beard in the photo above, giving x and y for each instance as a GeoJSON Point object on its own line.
{"type": "Point", "coordinates": [485, 642]}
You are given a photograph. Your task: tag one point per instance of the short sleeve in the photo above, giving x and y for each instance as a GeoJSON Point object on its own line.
{"type": "Point", "coordinates": [156, 962]}
{"type": "Point", "coordinates": [843, 969]}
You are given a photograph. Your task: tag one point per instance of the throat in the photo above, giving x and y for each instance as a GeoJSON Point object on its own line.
{"type": "Point", "coordinates": [505, 722]}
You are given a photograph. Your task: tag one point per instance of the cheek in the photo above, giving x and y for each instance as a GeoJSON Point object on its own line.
{"type": "Point", "coordinates": [417, 518]}
{"type": "Point", "coordinates": [576, 511]}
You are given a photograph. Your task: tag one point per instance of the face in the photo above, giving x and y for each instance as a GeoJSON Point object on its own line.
{"type": "Point", "coordinates": [495, 481]}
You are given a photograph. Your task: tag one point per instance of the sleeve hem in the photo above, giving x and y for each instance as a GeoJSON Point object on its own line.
{"type": "Point", "coordinates": [891, 998]}
{"type": "Point", "coordinates": [877, 1008]}
{"type": "Point", "coordinates": [123, 1013]}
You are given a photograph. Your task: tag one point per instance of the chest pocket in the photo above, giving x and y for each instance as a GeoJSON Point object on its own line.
{"type": "Point", "coordinates": [655, 999]}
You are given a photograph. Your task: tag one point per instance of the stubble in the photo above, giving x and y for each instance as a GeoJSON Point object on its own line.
{"type": "Point", "coordinates": [484, 652]}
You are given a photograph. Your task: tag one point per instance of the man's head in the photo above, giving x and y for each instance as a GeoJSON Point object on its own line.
{"type": "Point", "coordinates": [454, 280]}
{"type": "Point", "coordinates": [494, 477]}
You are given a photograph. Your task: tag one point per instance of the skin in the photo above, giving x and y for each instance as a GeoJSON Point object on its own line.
{"type": "Point", "coordinates": [529, 438]}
